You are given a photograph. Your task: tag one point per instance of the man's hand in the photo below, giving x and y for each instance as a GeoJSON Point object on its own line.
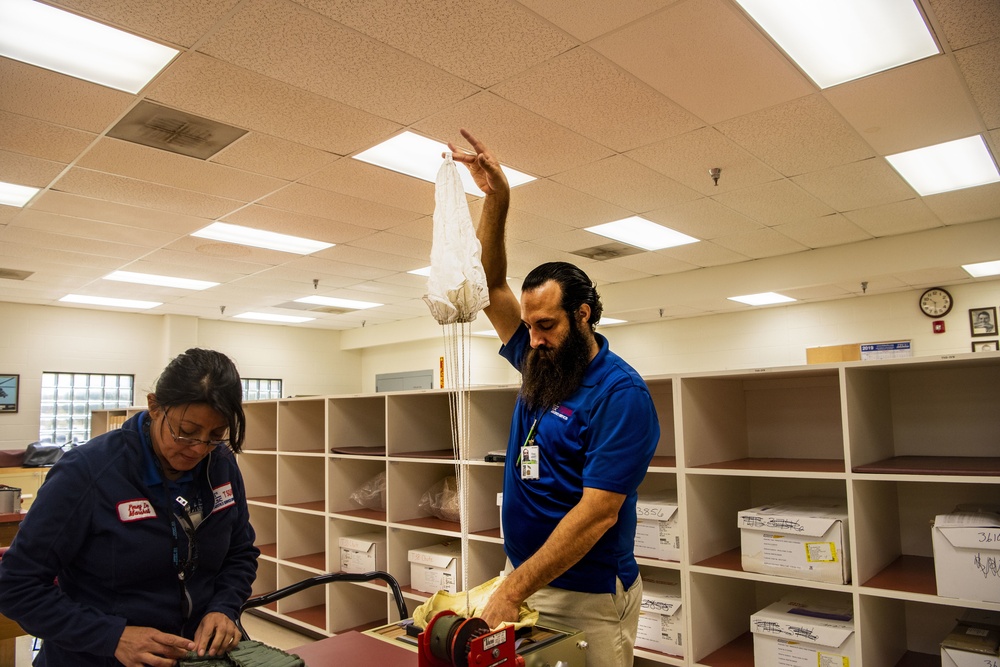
{"type": "Point", "coordinates": [216, 634]}
{"type": "Point", "coordinates": [483, 166]}
{"type": "Point", "coordinates": [140, 646]}
{"type": "Point", "coordinates": [500, 608]}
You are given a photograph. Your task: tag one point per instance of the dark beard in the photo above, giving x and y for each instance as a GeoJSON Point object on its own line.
{"type": "Point", "coordinates": [548, 377]}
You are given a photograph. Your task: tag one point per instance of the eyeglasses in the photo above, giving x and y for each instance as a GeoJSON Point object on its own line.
{"type": "Point", "coordinates": [192, 442]}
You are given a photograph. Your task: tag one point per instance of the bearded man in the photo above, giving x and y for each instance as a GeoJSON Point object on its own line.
{"type": "Point", "coordinates": [583, 433]}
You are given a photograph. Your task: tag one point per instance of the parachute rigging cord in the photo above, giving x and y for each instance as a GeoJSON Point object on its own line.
{"type": "Point", "coordinates": [456, 292]}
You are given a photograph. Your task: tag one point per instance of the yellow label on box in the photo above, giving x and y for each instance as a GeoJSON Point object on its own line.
{"type": "Point", "coordinates": [821, 552]}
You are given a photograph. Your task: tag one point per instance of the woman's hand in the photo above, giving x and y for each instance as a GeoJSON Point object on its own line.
{"type": "Point", "coordinates": [216, 634]}
{"type": "Point", "coordinates": [140, 646]}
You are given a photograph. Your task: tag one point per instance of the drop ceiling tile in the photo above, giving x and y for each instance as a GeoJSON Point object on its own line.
{"type": "Point", "coordinates": [37, 256]}
{"type": "Point", "coordinates": [335, 206]}
{"type": "Point", "coordinates": [689, 158]}
{"type": "Point", "coordinates": [63, 100]}
{"type": "Point", "coordinates": [932, 276]}
{"type": "Point", "coordinates": [606, 273]}
{"type": "Point", "coordinates": [296, 224]}
{"type": "Point", "coordinates": [37, 138]}
{"type": "Point", "coordinates": [123, 158]}
{"type": "Point", "coordinates": [193, 253]}
{"type": "Point", "coordinates": [203, 271]}
{"type": "Point", "coordinates": [856, 185]}
{"type": "Point", "coordinates": [627, 184]}
{"type": "Point", "coordinates": [563, 204]}
{"type": "Point", "coordinates": [7, 213]}
{"type": "Point", "coordinates": [584, 92]}
{"type": "Point", "coordinates": [797, 137]}
{"type": "Point", "coordinates": [132, 192]}
{"type": "Point", "coordinates": [289, 43]}
{"type": "Point", "coordinates": [525, 226]}
{"type": "Point", "coordinates": [33, 237]}
{"type": "Point", "coordinates": [408, 280]}
{"type": "Point", "coordinates": [383, 186]}
{"type": "Point", "coordinates": [981, 66]}
{"type": "Point", "coordinates": [224, 92]}
{"type": "Point", "coordinates": [968, 205]}
{"type": "Point", "coordinates": [92, 229]}
{"type": "Point", "coordinates": [817, 293]}
{"type": "Point", "coordinates": [703, 219]}
{"type": "Point", "coordinates": [507, 39]}
{"type": "Point", "coordinates": [706, 57]}
{"type": "Point", "coordinates": [705, 253]}
{"type": "Point", "coordinates": [26, 170]}
{"type": "Point", "coordinates": [920, 104]}
{"type": "Point", "coordinates": [324, 266]}
{"type": "Point", "coordinates": [390, 294]}
{"type": "Point", "coordinates": [523, 257]}
{"type": "Point", "coordinates": [371, 258]}
{"type": "Point", "coordinates": [421, 228]}
{"type": "Point", "coordinates": [517, 137]}
{"type": "Point", "coordinates": [901, 217]}
{"type": "Point", "coordinates": [829, 230]}
{"type": "Point", "coordinates": [760, 243]}
{"type": "Point", "coordinates": [775, 203]}
{"type": "Point", "coordinates": [68, 204]}
{"type": "Point", "coordinates": [586, 19]}
{"type": "Point", "coordinates": [294, 272]}
{"type": "Point", "coordinates": [397, 245]}
{"type": "Point", "coordinates": [967, 22]}
{"type": "Point", "coordinates": [175, 21]}
{"type": "Point", "coordinates": [271, 156]}
{"type": "Point", "coordinates": [649, 263]}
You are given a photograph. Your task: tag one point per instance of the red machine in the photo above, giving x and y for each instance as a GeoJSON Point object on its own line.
{"type": "Point", "coordinates": [450, 640]}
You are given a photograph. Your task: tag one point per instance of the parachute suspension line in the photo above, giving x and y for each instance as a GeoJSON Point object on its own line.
{"type": "Point", "coordinates": [458, 371]}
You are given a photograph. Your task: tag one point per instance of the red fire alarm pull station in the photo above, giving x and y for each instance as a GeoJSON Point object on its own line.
{"type": "Point", "coordinates": [938, 326]}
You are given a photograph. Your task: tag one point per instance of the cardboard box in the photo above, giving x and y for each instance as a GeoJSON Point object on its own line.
{"type": "Point", "coordinates": [661, 619]}
{"type": "Point", "coordinates": [975, 641]}
{"type": "Point", "coordinates": [804, 538]}
{"type": "Point", "coordinates": [803, 633]}
{"type": "Point", "coordinates": [362, 553]}
{"type": "Point", "coordinates": [967, 555]}
{"type": "Point", "coordinates": [436, 567]}
{"type": "Point", "coordinates": [500, 506]}
{"type": "Point", "coordinates": [657, 534]}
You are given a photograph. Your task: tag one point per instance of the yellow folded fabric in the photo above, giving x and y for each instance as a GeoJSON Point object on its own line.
{"type": "Point", "coordinates": [478, 597]}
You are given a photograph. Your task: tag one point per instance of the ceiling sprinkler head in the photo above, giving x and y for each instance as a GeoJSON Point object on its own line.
{"type": "Point", "coordinates": [715, 172]}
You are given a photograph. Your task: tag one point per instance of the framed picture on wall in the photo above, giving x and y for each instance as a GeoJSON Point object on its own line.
{"type": "Point", "coordinates": [8, 393]}
{"type": "Point", "coordinates": [983, 321]}
{"type": "Point", "coordinates": [985, 345]}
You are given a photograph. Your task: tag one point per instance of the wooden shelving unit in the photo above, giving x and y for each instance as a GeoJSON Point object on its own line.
{"type": "Point", "coordinates": [899, 441]}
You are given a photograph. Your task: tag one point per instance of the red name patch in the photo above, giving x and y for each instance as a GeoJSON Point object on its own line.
{"type": "Point", "coordinates": [136, 510]}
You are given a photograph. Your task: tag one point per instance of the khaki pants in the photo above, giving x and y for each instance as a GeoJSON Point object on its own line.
{"type": "Point", "coordinates": [610, 621]}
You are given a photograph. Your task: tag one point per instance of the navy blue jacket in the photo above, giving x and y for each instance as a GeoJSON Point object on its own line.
{"type": "Point", "coordinates": [107, 536]}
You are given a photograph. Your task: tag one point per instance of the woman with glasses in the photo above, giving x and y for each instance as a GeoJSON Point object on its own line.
{"type": "Point", "coordinates": [138, 547]}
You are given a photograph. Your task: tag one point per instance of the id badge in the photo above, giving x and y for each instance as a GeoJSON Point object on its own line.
{"type": "Point", "coordinates": [529, 462]}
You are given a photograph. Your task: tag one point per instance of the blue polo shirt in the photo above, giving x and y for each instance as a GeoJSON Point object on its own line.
{"type": "Point", "coordinates": [601, 437]}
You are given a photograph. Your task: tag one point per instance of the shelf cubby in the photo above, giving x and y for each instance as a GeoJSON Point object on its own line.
{"type": "Point", "coordinates": [301, 426]}
{"type": "Point", "coordinates": [418, 424]}
{"type": "Point", "coordinates": [349, 475]}
{"type": "Point", "coordinates": [662, 391]}
{"type": "Point", "coordinates": [302, 539]}
{"type": "Point", "coordinates": [904, 633]}
{"type": "Point", "coordinates": [306, 607]}
{"type": "Point", "coordinates": [262, 426]}
{"type": "Point", "coordinates": [407, 482]}
{"type": "Point", "coordinates": [266, 581]}
{"type": "Point", "coordinates": [301, 483]}
{"type": "Point", "coordinates": [358, 425]}
{"type": "Point", "coordinates": [489, 419]}
{"type": "Point", "coordinates": [260, 476]}
{"type": "Point", "coordinates": [265, 524]}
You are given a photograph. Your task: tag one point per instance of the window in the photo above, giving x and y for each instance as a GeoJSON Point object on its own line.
{"type": "Point", "coordinates": [260, 388]}
{"type": "Point", "coordinates": [68, 398]}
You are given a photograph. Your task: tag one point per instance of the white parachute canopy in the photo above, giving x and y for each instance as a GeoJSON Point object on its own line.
{"type": "Point", "coordinates": [456, 286]}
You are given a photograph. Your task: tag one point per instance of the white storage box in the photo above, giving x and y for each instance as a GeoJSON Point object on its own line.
{"type": "Point", "coordinates": [657, 534]}
{"type": "Point", "coordinates": [975, 641]}
{"type": "Point", "coordinates": [661, 619]}
{"type": "Point", "coordinates": [436, 567]}
{"type": "Point", "coordinates": [500, 505]}
{"type": "Point", "coordinates": [794, 633]}
{"type": "Point", "coordinates": [362, 553]}
{"type": "Point", "coordinates": [804, 538]}
{"type": "Point", "coordinates": [967, 555]}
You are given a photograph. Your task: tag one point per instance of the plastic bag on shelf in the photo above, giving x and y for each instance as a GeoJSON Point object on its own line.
{"type": "Point", "coordinates": [441, 500]}
{"type": "Point", "coordinates": [371, 494]}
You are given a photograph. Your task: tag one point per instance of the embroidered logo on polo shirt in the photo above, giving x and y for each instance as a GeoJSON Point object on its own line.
{"type": "Point", "coordinates": [562, 412]}
{"type": "Point", "coordinates": [135, 510]}
{"type": "Point", "coordinates": [223, 497]}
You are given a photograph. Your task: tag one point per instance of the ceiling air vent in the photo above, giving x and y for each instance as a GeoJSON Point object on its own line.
{"type": "Point", "coordinates": [175, 131]}
{"type": "Point", "coordinates": [607, 251]}
{"type": "Point", "coordinates": [314, 308]}
{"type": "Point", "coordinates": [14, 274]}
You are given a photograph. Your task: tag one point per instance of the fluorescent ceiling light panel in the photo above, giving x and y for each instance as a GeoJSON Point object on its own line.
{"type": "Point", "coordinates": [16, 195]}
{"type": "Point", "coordinates": [607, 321]}
{"type": "Point", "coordinates": [762, 299]}
{"type": "Point", "coordinates": [418, 156]}
{"type": "Point", "coordinates": [338, 303]}
{"type": "Point", "coordinates": [268, 317]}
{"type": "Point", "coordinates": [486, 333]}
{"type": "Point", "coordinates": [258, 238]}
{"type": "Point", "coordinates": [982, 269]}
{"type": "Point", "coordinates": [834, 41]}
{"type": "Point", "coordinates": [162, 281]}
{"type": "Point", "coordinates": [953, 165]}
{"type": "Point", "coordinates": [642, 233]}
{"type": "Point", "coordinates": [426, 271]}
{"type": "Point", "coordinates": [107, 301]}
{"type": "Point", "coordinates": [61, 41]}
